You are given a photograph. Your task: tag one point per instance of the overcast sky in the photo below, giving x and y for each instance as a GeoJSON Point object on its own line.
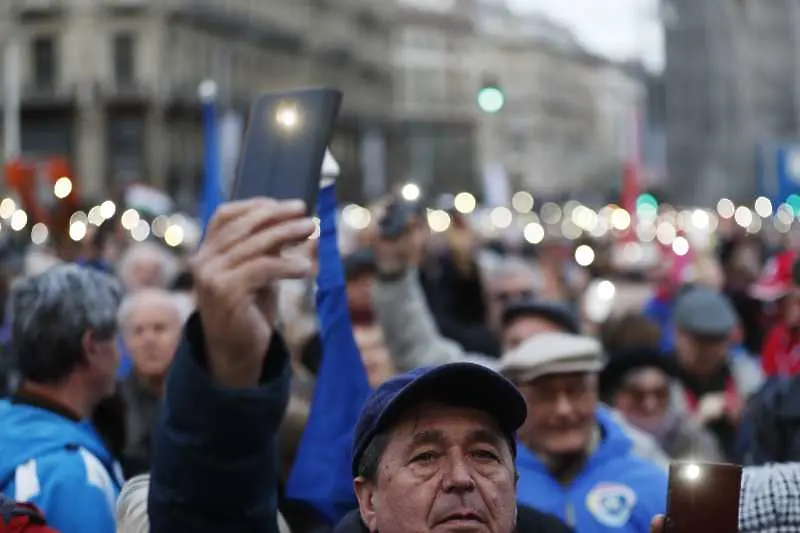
{"type": "Point", "coordinates": [619, 29]}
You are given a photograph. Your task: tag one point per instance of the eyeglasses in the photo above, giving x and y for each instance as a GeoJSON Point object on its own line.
{"type": "Point", "coordinates": [640, 395]}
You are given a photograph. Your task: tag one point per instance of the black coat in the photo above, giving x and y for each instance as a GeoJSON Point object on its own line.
{"type": "Point", "coordinates": [528, 521]}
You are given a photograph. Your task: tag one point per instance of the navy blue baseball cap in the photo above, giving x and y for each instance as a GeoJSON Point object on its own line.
{"type": "Point", "coordinates": [463, 384]}
{"type": "Point", "coordinates": [556, 312]}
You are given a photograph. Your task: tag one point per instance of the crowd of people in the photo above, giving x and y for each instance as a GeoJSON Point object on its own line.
{"type": "Point", "coordinates": [288, 376]}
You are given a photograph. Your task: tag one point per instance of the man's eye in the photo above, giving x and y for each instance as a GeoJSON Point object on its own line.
{"type": "Point", "coordinates": [486, 455]}
{"type": "Point", "coordinates": [424, 457]}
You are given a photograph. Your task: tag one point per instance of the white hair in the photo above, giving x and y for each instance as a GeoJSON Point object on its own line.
{"type": "Point", "coordinates": [37, 262]}
{"type": "Point", "coordinates": [505, 267]}
{"type": "Point", "coordinates": [146, 252]}
{"type": "Point", "coordinates": [182, 307]}
{"type": "Point", "coordinates": [132, 508]}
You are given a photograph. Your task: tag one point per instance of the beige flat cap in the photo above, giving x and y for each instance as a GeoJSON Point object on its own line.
{"type": "Point", "coordinates": [552, 353]}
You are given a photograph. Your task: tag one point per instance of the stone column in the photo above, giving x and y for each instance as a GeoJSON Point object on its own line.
{"type": "Point", "coordinates": [80, 52]}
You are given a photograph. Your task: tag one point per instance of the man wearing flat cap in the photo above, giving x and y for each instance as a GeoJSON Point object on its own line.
{"type": "Point", "coordinates": [574, 459]}
{"type": "Point", "coordinates": [714, 383]}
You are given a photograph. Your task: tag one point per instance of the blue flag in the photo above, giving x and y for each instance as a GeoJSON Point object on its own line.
{"type": "Point", "coordinates": [212, 168]}
{"type": "Point", "coordinates": [321, 473]}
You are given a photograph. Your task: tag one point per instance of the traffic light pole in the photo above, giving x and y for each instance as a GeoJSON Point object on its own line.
{"type": "Point", "coordinates": [496, 187]}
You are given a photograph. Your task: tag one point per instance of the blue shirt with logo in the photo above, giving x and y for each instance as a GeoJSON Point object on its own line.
{"type": "Point", "coordinates": [617, 491]}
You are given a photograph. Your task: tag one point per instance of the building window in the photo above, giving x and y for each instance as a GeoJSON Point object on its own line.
{"type": "Point", "coordinates": [126, 148]}
{"type": "Point", "coordinates": [423, 39]}
{"type": "Point", "coordinates": [124, 58]}
{"type": "Point", "coordinates": [426, 85]}
{"type": "Point", "coordinates": [44, 61]}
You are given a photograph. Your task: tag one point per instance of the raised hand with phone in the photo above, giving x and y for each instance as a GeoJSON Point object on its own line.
{"type": "Point", "coordinates": [235, 270]}
{"type": "Point", "coordinates": [244, 252]}
{"type": "Point", "coordinates": [396, 249]}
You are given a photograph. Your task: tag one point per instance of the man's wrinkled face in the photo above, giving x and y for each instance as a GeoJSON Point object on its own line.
{"type": "Point", "coordinates": [561, 409]}
{"type": "Point", "coordinates": [445, 469]}
{"type": "Point", "coordinates": [151, 334]}
{"type": "Point", "coordinates": [526, 327]}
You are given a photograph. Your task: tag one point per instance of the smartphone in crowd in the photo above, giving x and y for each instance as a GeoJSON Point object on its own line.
{"type": "Point", "coordinates": [397, 219]}
{"type": "Point", "coordinates": [285, 143]}
{"type": "Point", "coordinates": [703, 497]}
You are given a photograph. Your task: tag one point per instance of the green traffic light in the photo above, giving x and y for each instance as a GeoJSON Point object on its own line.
{"type": "Point", "coordinates": [793, 201]}
{"type": "Point", "coordinates": [647, 200]}
{"type": "Point", "coordinates": [491, 99]}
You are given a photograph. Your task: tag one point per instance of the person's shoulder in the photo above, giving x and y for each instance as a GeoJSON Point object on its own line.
{"type": "Point", "coordinates": [530, 520]}
{"type": "Point", "coordinates": [636, 466]}
{"type": "Point", "coordinates": [769, 498]}
{"type": "Point", "coordinates": [636, 448]}
{"type": "Point", "coordinates": [74, 469]}
{"type": "Point", "coordinates": [762, 479]}
{"type": "Point", "coordinates": [635, 469]}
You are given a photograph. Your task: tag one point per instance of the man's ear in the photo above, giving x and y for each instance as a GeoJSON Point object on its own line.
{"type": "Point", "coordinates": [87, 342]}
{"type": "Point", "coordinates": [89, 346]}
{"type": "Point", "coordinates": [365, 493]}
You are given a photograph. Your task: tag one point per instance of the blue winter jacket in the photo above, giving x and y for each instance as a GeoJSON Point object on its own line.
{"type": "Point", "coordinates": [617, 491]}
{"type": "Point", "coordinates": [60, 465]}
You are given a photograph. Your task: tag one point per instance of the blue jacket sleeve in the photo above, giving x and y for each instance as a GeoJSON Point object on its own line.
{"type": "Point", "coordinates": [214, 450]}
{"type": "Point", "coordinates": [330, 280]}
{"type": "Point", "coordinates": [321, 474]}
{"type": "Point", "coordinates": [335, 326]}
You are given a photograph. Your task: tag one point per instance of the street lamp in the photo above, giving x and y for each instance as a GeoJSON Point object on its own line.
{"type": "Point", "coordinates": [207, 91]}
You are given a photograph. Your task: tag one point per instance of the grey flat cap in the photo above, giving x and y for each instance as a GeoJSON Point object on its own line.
{"type": "Point", "coordinates": [552, 353]}
{"type": "Point", "coordinates": [705, 312]}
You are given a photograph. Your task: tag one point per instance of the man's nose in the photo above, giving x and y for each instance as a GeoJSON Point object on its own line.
{"type": "Point", "coordinates": [563, 405]}
{"type": "Point", "coordinates": [458, 477]}
{"type": "Point", "coordinates": [149, 337]}
{"type": "Point", "coordinates": [650, 405]}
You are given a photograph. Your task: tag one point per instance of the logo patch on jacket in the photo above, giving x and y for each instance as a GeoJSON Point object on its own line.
{"type": "Point", "coordinates": [611, 503]}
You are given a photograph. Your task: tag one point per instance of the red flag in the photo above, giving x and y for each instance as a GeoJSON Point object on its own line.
{"type": "Point", "coordinates": [631, 170]}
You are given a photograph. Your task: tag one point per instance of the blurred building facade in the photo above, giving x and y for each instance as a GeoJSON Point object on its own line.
{"type": "Point", "coordinates": [434, 135]}
{"type": "Point", "coordinates": [112, 84]}
{"type": "Point", "coordinates": [731, 83]}
{"type": "Point", "coordinates": [654, 133]}
{"type": "Point", "coordinates": [566, 112]}
{"type": "Point", "coordinates": [567, 120]}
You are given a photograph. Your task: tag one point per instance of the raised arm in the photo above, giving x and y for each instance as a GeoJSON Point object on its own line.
{"type": "Point", "coordinates": [214, 461]}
